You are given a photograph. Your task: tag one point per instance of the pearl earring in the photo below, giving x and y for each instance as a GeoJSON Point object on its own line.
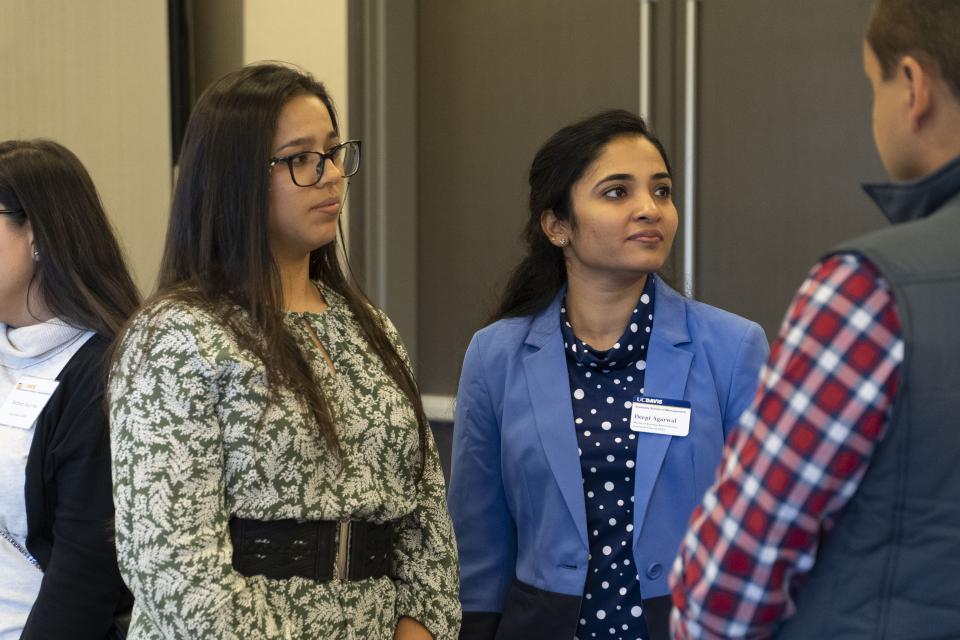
{"type": "Point", "coordinates": [36, 255]}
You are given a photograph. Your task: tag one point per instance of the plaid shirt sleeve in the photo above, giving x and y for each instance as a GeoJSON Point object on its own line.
{"type": "Point", "coordinates": [798, 456]}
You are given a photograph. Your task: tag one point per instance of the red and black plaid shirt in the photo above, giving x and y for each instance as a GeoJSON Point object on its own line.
{"type": "Point", "coordinates": [798, 456]}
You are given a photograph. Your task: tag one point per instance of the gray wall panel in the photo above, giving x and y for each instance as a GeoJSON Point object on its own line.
{"type": "Point", "coordinates": [496, 77]}
{"type": "Point", "coordinates": [784, 142]}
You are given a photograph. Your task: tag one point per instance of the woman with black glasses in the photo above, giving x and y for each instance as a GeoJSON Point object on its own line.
{"type": "Point", "coordinates": [275, 476]}
{"type": "Point", "coordinates": [64, 294]}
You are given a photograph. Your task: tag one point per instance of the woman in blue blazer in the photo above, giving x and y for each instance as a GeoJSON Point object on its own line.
{"type": "Point", "coordinates": [569, 497]}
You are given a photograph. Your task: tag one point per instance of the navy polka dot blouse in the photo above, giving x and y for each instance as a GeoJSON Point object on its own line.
{"type": "Point", "coordinates": [602, 384]}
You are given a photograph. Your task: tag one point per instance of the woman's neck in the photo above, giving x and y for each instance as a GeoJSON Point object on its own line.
{"type": "Point", "coordinates": [598, 309]}
{"type": "Point", "coordinates": [32, 311]}
{"type": "Point", "coordinates": [299, 292]}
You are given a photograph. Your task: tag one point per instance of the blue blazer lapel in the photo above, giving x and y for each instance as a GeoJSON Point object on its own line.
{"type": "Point", "coordinates": [546, 372]}
{"type": "Point", "coordinates": [668, 367]}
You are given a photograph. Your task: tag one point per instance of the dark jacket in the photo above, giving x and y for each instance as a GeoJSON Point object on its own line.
{"type": "Point", "coordinates": [70, 507]}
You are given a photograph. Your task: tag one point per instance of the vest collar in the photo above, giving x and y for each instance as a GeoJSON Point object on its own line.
{"type": "Point", "coordinates": [906, 201]}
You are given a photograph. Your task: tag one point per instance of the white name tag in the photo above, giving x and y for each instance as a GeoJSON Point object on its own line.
{"type": "Point", "coordinates": [657, 415]}
{"type": "Point", "coordinates": [25, 402]}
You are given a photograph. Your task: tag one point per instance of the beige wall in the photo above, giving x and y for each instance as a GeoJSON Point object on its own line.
{"type": "Point", "coordinates": [93, 76]}
{"type": "Point", "coordinates": [311, 34]}
{"type": "Point", "coordinates": [308, 33]}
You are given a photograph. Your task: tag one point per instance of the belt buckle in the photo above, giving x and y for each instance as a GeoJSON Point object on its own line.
{"type": "Point", "coordinates": [343, 549]}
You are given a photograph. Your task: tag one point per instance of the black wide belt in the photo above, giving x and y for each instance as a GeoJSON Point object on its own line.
{"type": "Point", "coordinates": [315, 549]}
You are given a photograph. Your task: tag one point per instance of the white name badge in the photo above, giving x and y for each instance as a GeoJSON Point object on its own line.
{"type": "Point", "coordinates": [660, 416]}
{"type": "Point", "coordinates": [25, 402]}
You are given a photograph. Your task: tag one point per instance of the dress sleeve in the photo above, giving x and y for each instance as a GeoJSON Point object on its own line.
{"type": "Point", "coordinates": [425, 566]}
{"type": "Point", "coordinates": [81, 588]}
{"type": "Point", "coordinates": [173, 543]}
{"type": "Point", "coordinates": [486, 531]}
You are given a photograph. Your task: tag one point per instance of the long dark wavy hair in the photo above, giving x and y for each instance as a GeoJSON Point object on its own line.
{"type": "Point", "coordinates": [217, 254]}
{"type": "Point", "coordinates": [557, 166]}
{"type": "Point", "coordinates": [80, 273]}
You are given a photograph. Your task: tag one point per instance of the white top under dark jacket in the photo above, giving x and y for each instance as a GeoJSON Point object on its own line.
{"type": "Point", "coordinates": [41, 350]}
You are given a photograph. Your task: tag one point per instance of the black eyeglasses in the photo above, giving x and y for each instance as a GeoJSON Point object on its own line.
{"type": "Point", "coordinates": [11, 211]}
{"type": "Point", "coordinates": [306, 167]}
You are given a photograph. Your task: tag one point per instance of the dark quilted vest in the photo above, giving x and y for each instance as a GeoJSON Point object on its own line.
{"type": "Point", "coordinates": [890, 568]}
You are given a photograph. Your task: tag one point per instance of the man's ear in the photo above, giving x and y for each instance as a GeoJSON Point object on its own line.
{"type": "Point", "coordinates": [919, 83]}
{"type": "Point", "coordinates": [556, 230]}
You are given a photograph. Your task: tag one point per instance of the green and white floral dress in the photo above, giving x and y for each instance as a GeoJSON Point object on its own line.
{"type": "Point", "coordinates": [195, 441]}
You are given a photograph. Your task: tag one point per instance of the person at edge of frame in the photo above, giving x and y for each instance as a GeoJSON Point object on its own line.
{"type": "Point", "coordinates": [65, 293]}
{"type": "Point", "coordinates": [835, 514]}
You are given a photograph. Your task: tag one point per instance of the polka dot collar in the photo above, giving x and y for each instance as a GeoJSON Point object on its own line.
{"type": "Point", "coordinates": [629, 351]}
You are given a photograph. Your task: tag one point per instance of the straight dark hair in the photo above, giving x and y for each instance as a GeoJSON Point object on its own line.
{"type": "Point", "coordinates": [217, 254]}
{"type": "Point", "coordinates": [927, 29]}
{"type": "Point", "coordinates": [80, 273]}
{"type": "Point", "coordinates": [556, 167]}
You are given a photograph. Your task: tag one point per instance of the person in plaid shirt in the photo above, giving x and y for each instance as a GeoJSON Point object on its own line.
{"type": "Point", "coordinates": [857, 406]}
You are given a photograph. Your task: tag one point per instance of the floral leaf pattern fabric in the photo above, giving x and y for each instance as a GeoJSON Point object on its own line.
{"type": "Point", "coordinates": [196, 439]}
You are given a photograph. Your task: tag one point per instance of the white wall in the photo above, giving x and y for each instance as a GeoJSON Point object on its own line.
{"type": "Point", "coordinates": [93, 76]}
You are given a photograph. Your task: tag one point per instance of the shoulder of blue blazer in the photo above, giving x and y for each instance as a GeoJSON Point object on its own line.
{"type": "Point", "coordinates": [502, 344]}
{"type": "Point", "coordinates": [678, 321]}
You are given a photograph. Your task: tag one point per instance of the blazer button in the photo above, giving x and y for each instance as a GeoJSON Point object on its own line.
{"type": "Point", "coordinates": [654, 571]}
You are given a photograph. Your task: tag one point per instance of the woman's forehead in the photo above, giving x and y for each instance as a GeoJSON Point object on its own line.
{"type": "Point", "coordinates": [633, 155]}
{"type": "Point", "coordinates": [303, 119]}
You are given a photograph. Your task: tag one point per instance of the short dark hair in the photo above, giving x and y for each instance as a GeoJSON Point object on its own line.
{"type": "Point", "coordinates": [928, 29]}
{"type": "Point", "coordinates": [557, 166]}
{"type": "Point", "coordinates": [80, 272]}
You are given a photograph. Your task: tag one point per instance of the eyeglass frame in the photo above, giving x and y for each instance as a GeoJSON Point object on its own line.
{"type": "Point", "coordinates": [322, 163]}
{"type": "Point", "coordinates": [12, 211]}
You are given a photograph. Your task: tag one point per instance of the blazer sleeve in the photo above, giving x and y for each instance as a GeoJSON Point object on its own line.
{"type": "Point", "coordinates": [484, 526]}
{"type": "Point", "coordinates": [81, 588]}
{"type": "Point", "coordinates": [173, 540]}
{"type": "Point", "coordinates": [751, 355]}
